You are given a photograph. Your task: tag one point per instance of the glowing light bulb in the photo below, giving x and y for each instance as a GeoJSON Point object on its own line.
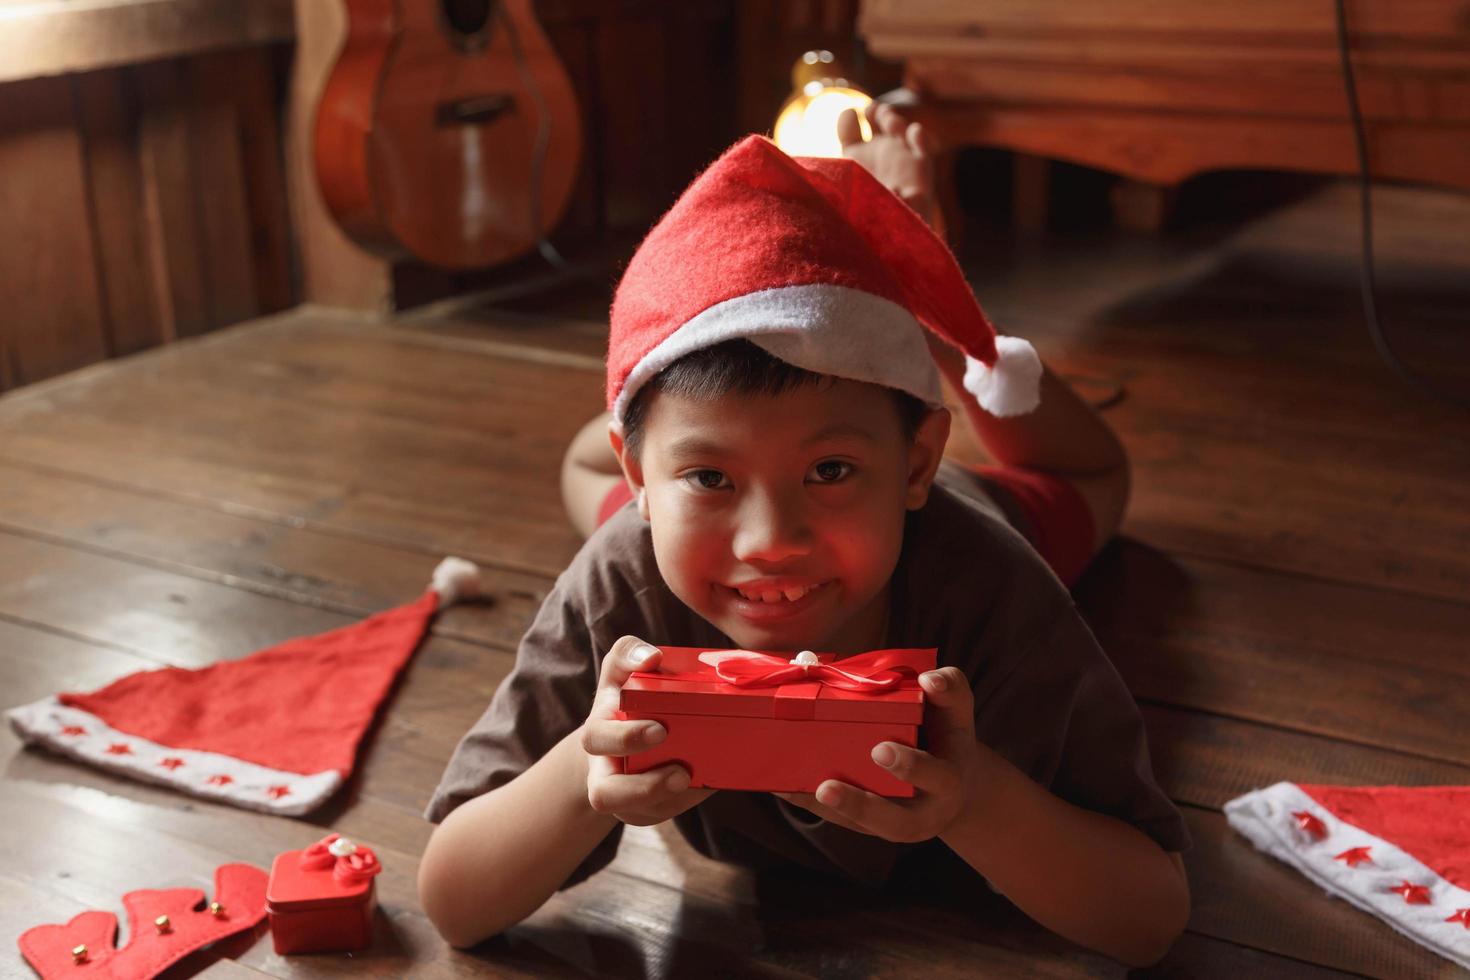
{"type": "Point", "coordinates": [807, 123]}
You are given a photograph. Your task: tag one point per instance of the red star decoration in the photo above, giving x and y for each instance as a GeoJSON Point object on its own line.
{"type": "Point", "coordinates": [277, 792]}
{"type": "Point", "coordinates": [221, 780]}
{"type": "Point", "coordinates": [171, 763]}
{"type": "Point", "coordinates": [73, 730]}
{"type": "Point", "coordinates": [1355, 856]}
{"type": "Point", "coordinates": [1413, 894]}
{"type": "Point", "coordinates": [1309, 823]}
{"type": "Point", "coordinates": [119, 748]}
{"type": "Point", "coordinates": [1462, 916]}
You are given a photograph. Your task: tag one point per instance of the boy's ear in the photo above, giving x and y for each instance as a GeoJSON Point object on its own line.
{"type": "Point", "coordinates": [925, 455]}
{"type": "Point", "coordinates": [631, 470]}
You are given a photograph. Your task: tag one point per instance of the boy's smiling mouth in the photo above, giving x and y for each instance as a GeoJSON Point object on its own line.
{"type": "Point", "coordinates": [769, 601]}
{"type": "Point", "coordinates": [773, 592]}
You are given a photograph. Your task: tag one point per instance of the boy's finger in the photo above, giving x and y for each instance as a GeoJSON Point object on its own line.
{"type": "Point", "coordinates": [949, 710]}
{"type": "Point", "coordinates": [849, 133]}
{"type": "Point", "coordinates": [872, 813]}
{"type": "Point", "coordinates": [915, 767]}
{"type": "Point", "coordinates": [637, 792]}
{"type": "Point", "coordinates": [917, 137]}
{"type": "Point", "coordinates": [890, 120]}
{"type": "Point", "coordinates": [609, 736]}
{"type": "Point", "coordinates": [627, 655]}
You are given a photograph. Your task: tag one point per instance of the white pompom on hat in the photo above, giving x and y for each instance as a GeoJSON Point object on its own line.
{"type": "Point", "coordinates": [820, 265]}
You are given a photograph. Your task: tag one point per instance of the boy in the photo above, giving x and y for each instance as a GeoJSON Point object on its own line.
{"type": "Point", "coordinates": [776, 414]}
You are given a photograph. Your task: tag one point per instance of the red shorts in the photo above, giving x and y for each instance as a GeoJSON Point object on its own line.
{"type": "Point", "coordinates": [1057, 521]}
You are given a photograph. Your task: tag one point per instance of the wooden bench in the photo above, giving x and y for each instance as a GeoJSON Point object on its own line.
{"type": "Point", "coordinates": [1160, 92]}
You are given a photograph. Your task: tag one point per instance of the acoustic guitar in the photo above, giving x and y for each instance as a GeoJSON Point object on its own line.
{"type": "Point", "coordinates": [447, 130]}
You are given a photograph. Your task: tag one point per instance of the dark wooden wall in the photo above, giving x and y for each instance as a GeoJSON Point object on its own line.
{"type": "Point", "coordinates": [142, 204]}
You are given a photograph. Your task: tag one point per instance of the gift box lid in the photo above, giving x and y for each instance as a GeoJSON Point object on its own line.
{"type": "Point", "coordinates": [293, 888]}
{"type": "Point", "coordinates": [684, 686]}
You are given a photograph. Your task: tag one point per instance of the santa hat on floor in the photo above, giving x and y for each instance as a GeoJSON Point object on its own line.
{"type": "Point", "coordinates": [275, 731]}
{"type": "Point", "coordinates": [1401, 853]}
{"type": "Point", "coordinates": [820, 265]}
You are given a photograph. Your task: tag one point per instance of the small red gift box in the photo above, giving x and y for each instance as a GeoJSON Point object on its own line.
{"type": "Point", "coordinates": [322, 899]}
{"type": "Point", "coordinates": [773, 723]}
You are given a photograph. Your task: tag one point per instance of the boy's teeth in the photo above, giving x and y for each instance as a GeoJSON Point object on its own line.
{"type": "Point", "coordinates": [785, 595]}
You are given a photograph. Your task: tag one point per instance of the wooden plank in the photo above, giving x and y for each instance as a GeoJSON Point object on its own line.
{"type": "Point", "coordinates": [343, 574]}
{"type": "Point", "coordinates": [53, 37]}
{"type": "Point", "coordinates": [176, 243]}
{"type": "Point", "coordinates": [1199, 84]}
{"type": "Point", "coordinates": [219, 168]}
{"type": "Point", "coordinates": [107, 112]}
{"type": "Point", "coordinates": [1197, 957]}
{"type": "Point", "coordinates": [463, 453]}
{"type": "Point", "coordinates": [261, 108]}
{"type": "Point", "coordinates": [1206, 760]}
{"type": "Point", "coordinates": [1135, 144]}
{"type": "Point", "coordinates": [1381, 668]}
{"type": "Point", "coordinates": [1243, 451]}
{"type": "Point", "coordinates": [1266, 20]}
{"type": "Point", "coordinates": [53, 319]}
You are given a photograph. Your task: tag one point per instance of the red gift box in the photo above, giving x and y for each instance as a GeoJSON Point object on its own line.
{"type": "Point", "coordinates": [322, 899]}
{"type": "Point", "coordinates": [773, 723]}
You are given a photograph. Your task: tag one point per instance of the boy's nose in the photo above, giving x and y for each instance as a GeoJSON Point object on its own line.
{"type": "Point", "coordinates": [771, 530]}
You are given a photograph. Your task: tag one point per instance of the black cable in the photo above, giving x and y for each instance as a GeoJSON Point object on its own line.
{"type": "Point", "coordinates": [1366, 277]}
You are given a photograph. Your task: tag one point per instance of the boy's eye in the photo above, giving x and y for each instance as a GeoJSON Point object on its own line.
{"type": "Point", "coordinates": [831, 470]}
{"type": "Point", "coordinates": [707, 479]}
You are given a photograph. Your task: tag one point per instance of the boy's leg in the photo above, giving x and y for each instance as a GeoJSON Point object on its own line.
{"type": "Point", "coordinates": [589, 471]}
{"type": "Point", "coordinates": [1066, 443]}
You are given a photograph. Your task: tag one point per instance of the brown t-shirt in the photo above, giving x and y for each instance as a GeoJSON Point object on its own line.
{"type": "Point", "coordinates": [1046, 697]}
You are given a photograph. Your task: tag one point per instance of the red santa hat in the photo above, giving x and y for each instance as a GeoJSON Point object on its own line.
{"type": "Point", "coordinates": [275, 731]}
{"type": "Point", "coordinates": [820, 265]}
{"type": "Point", "coordinates": [1401, 853]}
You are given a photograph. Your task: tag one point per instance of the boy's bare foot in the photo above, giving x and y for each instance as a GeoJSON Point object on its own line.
{"type": "Point", "coordinates": [900, 154]}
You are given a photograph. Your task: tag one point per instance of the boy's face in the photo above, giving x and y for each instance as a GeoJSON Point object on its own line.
{"type": "Point", "coordinates": [779, 518]}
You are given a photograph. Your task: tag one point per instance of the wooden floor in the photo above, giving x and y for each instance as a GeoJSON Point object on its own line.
{"type": "Point", "coordinates": [1290, 598]}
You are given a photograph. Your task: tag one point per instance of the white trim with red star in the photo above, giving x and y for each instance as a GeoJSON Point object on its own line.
{"type": "Point", "coordinates": [83, 736]}
{"type": "Point", "coordinates": [1366, 870]}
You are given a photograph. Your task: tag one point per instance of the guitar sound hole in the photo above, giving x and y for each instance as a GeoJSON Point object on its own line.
{"type": "Point", "coordinates": [467, 20]}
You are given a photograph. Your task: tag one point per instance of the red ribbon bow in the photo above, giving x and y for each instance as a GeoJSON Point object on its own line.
{"type": "Point", "coordinates": [869, 673]}
{"type": "Point", "coordinates": [358, 865]}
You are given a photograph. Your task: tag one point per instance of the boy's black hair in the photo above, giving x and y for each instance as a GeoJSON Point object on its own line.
{"type": "Point", "coordinates": [741, 367]}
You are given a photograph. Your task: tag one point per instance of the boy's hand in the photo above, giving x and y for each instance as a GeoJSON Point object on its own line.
{"type": "Point", "coordinates": [900, 155]}
{"type": "Point", "coordinates": [944, 776]}
{"type": "Point", "coordinates": [641, 798]}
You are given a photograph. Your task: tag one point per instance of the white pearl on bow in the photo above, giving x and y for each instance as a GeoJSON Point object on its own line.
{"type": "Point", "coordinates": [805, 659]}
{"type": "Point", "coordinates": [341, 847]}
